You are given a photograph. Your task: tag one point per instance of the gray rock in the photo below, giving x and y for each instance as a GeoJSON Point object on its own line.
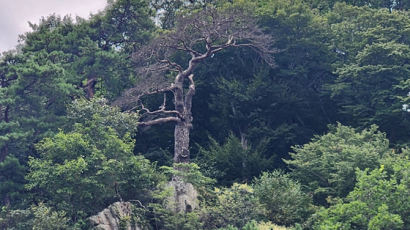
{"type": "Point", "coordinates": [185, 198]}
{"type": "Point", "coordinates": [111, 218]}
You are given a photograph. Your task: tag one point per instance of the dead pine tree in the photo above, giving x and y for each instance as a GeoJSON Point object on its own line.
{"type": "Point", "coordinates": [198, 35]}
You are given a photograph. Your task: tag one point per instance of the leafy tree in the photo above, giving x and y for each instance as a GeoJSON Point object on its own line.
{"type": "Point", "coordinates": [7, 100]}
{"type": "Point", "coordinates": [235, 206]}
{"type": "Point", "coordinates": [372, 47]}
{"type": "Point", "coordinates": [34, 95]}
{"type": "Point", "coordinates": [16, 219]}
{"type": "Point", "coordinates": [326, 165]}
{"type": "Point", "coordinates": [269, 109]}
{"type": "Point", "coordinates": [84, 170]}
{"type": "Point", "coordinates": [124, 25]}
{"type": "Point", "coordinates": [45, 218]}
{"type": "Point", "coordinates": [39, 217]}
{"type": "Point", "coordinates": [188, 172]}
{"type": "Point", "coordinates": [368, 104]}
{"type": "Point", "coordinates": [98, 111]}
{"type": "Point", "coordinates": [61, 60]}
{"type": "Point", "coordinates": [283, 198]}
{"type": "Point", "coordinates": [379, 200]}
{"type": "Point", "coordinates": [231, 162]}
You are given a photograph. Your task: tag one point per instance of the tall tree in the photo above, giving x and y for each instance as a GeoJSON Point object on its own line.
{"type": "Point", "coordinates": [92, 166]}
{"type": "Point", "coordinates": [269, 109]}
{"type": "Point", "coordinates": [374, 63]}
{"type": "Point", "coordinates": [197, 36]}
{"type": "Point", "coordinates": [61, 60]}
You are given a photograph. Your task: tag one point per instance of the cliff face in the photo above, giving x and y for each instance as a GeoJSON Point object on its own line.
{"type": "Point", "coordinates": [117, 216]}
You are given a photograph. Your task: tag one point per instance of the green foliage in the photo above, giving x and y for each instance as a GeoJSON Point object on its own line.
{"type": "Point", "coordinates": [269, 109]}
{"type": "Point", "coordinates": [167, 11]}
{"type": "Point", "coordinates": [385, 220]}
{"type": "Point", "coordinates": [11, 180]}
{"type": "Point", "coordinates": [327, 5]}
{"type": "Point", "coordinates": [235, 206]}
{"type": "Point", "coordinates": [252, 225]}
{"type": "Point", "coordinates": [16, 219]}
{"type": "Point", "coordinates": [45, 218]}
{"type": "Point", "coordinates": [97, 110]}
{"type": "Point", "coordinates": [83, 171]}
{"type": "Point", "coordinates": [34, 98]}
{"type": "Point", "coordinates": [326, 165]}
{"type": "Point", "coordinates": [125, 24]}
{"type": "Point", "coordinates": [189, 173]}
{"type": "Point", "coordinates": [344, 61]}
{"type": "Point", "coordinates": [380, 200]}
{"type": "Point", "coordinates": [348, 216]}
{"type": "Point", "coordinates": [159, 215]}
{"type": "Point", "coordinates": [231, 162]}
{"type": "Point", "coordinates": [165, 218]}
{"type": "Point", "coordinates": [283, 198]}
{"type": "Point", "coordinates": [60, 59]}
{"type": "Point", "coordinates": [38, 217]}
{"type": "Point", "coordinates": [373, 63]}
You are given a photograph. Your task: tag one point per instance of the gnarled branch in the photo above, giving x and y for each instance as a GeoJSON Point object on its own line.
{"type": "Point", "coordinates": [159, 121]}
{"type": "Point", "coordinates": [160, 111]}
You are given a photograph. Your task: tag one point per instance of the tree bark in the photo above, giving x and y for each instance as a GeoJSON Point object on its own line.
{"type": "Point", "coordinates": [181, 145]}
{"type": "Point", "coordinates": [183, 104]}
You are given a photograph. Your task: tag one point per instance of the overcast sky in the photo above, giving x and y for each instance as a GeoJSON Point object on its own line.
{"type": "Point", "coordinates": [15, 15]}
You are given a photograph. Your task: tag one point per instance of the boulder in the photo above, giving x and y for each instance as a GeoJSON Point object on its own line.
{"type": "Point", "coordinates": [185, 196]}
{"type": "Point", "coordinates": [117, 216]}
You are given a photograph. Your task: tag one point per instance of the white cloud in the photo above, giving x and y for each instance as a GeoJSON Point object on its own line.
{"type": "Point", "coordinates": [15, 15]}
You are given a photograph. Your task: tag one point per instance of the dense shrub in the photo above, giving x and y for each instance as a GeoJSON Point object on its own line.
{"type": "Point", "coordinates": [283, 198]}
{"type": "Point", "coordinates": [380, 200]}
{"type": "Point", "coordinates": [326, 165]}
{"type": "Point", "coordinates": [234, 206]}
{"type": "Point", "coordinates": [230, 162]}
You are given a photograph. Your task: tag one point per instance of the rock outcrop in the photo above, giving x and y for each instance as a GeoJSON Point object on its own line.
{"type": "Point", "coordinates": [117, 216]}
{"type": "Point", "coordinates": [185, 197]}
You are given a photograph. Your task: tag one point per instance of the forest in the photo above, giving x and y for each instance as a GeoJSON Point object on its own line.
{"type": "Point", "coordinates": [209, 114]}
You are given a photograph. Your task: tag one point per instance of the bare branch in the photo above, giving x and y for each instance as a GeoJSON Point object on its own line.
{"type": "Point", "coordinates": [189, 95]}
{"type": "Point", "coordinates": [164, 102]}
{"type": "Point", "coordinates": [159, 121]}
{"type": "Point", "coordinates": [211, 29]}
{"type": "Point", "coordinates": [132, 96]}
{"type": "Point", "coordinates": [172, 64]}
{"type": "Point", "coordinates": [191, 90]}
{"type": "Point", "coordinates": [198, 35]}
{"type": "Point", "coordinates": [160, 111]}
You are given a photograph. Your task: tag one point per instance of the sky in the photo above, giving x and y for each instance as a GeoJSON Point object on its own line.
{"type": "Point", "coordinates": [15, 15]}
